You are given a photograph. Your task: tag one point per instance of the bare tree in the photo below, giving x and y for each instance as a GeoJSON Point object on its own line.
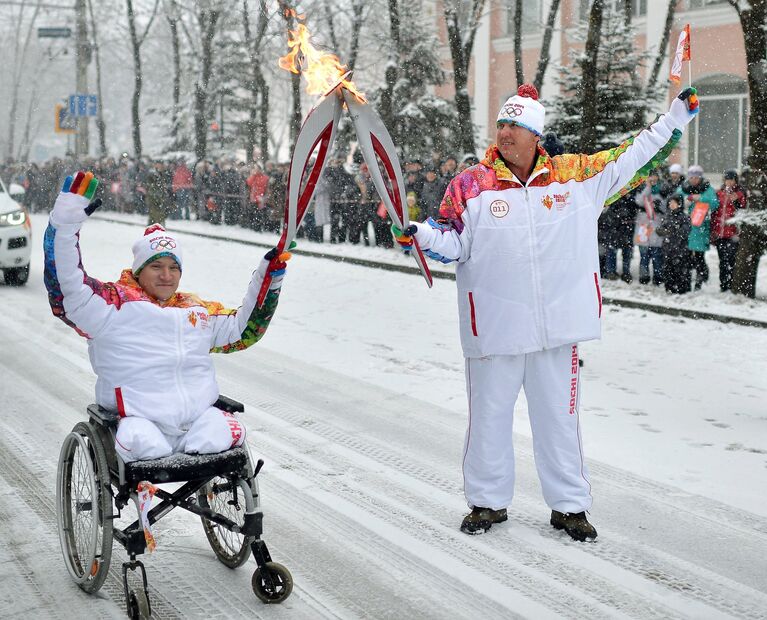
{"type": "Point", "coordinates": [655, 71]}
{"type": "Point", "coordinates": [100, 124]}
{"type": "Point", "coordinates": [173, 16]}
{"type": "Point", "coordinates": [138, 76]}
{"type": "Point", "coordinates": [518, 67]}
{"type": "Point", "coordinates": [386, 107]}
{"type": "Point", "coordinates": [19, 61]}
{"type": "Point", "coordinates": [589, 81]}
{"type": "Point", "coordinates": [543, 60]}
{"type": "Point", "coordinates": [289, 14]}
{"type": "Point", "coordinates": [257, 128]}
{"type": "Point", "coordinates": [355, 17]}
{"type": "Point", "coordinates": [207, 18]}
{"type": "Point", "coordinates": [753, 237]}
{"type": "Point", "coordinates": [461, 31]}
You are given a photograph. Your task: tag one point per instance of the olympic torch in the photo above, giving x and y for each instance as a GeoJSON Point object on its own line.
{"type": "Point", "coordinates": [325, 74]}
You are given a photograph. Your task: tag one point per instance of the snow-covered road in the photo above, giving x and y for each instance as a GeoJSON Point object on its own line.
{"type": "Point", "coordinates": [355, 400]}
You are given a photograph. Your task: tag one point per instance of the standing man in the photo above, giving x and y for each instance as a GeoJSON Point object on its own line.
{"type": "Point", "coordinates": [523, 228]}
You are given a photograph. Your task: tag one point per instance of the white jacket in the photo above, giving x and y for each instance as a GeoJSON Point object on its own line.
{"type": "Point", "coordinates": [528, 265]}
{"type": "Point", "coordinates": [152, 360]}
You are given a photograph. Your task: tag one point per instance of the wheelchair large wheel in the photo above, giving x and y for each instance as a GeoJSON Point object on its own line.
{"type": "Point", "coordinates": [84, 507]}
{"type": "Point", "coordinates": [231, 549]}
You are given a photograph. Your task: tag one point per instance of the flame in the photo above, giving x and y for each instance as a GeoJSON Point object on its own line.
{"type": "Point", "coordinates": [323, 71]}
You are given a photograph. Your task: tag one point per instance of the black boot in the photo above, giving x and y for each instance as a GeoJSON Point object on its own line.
{"type": "Point", "coordinates": [575, 524]}
{"type": "Point", "coordinates": [479, 520]}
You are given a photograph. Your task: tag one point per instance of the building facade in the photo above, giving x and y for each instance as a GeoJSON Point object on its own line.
{"type": "Point", "coordinates": [717, 139]}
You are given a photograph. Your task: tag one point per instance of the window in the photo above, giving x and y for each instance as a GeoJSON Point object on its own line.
{"type": "Point", "coordinates": [719, 134]}
{"type": "Point", "coordinates": [532, 16]}
{"type": "Point", "coordinates": [702, 4]}
{"type": "Point", "coordinates": [638, 7]}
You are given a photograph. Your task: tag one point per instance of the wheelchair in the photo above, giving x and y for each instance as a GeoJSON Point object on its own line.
{"type": "Point", "coordinates": [94, 484]}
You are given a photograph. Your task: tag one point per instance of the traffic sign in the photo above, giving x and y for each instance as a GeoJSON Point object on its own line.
{"type": "Point", "coordinates": [64, 122]}
{"type": "Point", "coordinates": [54, 33]}
{"type": "Point", "coordinates": [83, 105]}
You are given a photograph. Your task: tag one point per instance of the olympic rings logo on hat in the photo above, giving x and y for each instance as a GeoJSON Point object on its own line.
{"type": "Point", "coordinates": [513, 109]}
{"type": "Point", "coordinates": [165, 243]}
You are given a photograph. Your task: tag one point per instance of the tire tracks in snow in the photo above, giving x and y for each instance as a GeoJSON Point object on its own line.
{"type": "Point", "coordinates": [299, 408]}
{"type": "Point", "coordinates": [293, 406]}
{"type": "Point", "coordinates": [176, 590]}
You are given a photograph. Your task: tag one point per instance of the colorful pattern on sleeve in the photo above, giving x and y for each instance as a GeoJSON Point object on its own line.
{"type": "Point", "coordinates": [255, 328]}
{"type": "Point", "coordinates": [106, 291]}
{"type": "Point", "coordinates": [580, 167]}
{"type": "Point", "coordinates": [467, 185]}
{"type": "Point", "coordinates": [655, 161]}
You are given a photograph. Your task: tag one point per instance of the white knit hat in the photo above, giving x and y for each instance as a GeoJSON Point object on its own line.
{"type": "Point", "coordinates": [524, 109]}
{"type": "Point", "coordinates": [154, 244]}
{"type": "Point", "coordinates": [676, 168]}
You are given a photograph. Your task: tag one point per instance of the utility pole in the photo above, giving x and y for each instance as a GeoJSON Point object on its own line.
{"type": "Point", "coordinates": [82, 58]}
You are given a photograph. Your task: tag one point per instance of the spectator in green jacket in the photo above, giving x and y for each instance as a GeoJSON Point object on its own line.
{"type": "Point", "coordinates": [701, 202]}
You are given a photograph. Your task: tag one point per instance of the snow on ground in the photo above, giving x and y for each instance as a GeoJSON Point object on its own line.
{"type": "Point", "coordinates": [355, 399]}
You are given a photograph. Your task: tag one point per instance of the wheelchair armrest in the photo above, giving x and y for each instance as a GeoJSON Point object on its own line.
{"type": "Point", "coordinates": [104, 417]}
{"type": "Point", "coordinates": [227, 404]}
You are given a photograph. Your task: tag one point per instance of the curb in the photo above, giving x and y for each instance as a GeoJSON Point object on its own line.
{"type": "Point", "coordinates": [443, 275]}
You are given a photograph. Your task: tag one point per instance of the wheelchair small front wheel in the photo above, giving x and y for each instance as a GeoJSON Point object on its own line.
{"type": "Point", "coordinates": [138, 605]}
{"type": "Point", "coordinates": [272, 583]}
{"type": "Point", "coordinates": [84, 507]}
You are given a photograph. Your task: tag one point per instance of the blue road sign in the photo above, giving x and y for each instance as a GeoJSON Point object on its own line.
{"type": "Point", "coordinates": [54, 33]}
{"type": "Point", "coordinates": [83, 105]}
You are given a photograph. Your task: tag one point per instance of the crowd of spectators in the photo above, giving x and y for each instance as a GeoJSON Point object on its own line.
{"type": "Point", "coordinates": [672, 219]}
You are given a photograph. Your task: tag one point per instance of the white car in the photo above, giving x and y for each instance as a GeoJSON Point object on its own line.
{"type": "Point", "coordinates": [15, 236]}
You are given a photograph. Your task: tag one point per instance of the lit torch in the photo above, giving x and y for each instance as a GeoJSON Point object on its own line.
{"type": "Point", "coordinates": [326, 76]}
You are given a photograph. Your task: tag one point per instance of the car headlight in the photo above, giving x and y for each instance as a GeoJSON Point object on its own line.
{"type": "Point", "coordinates": [14, 218]}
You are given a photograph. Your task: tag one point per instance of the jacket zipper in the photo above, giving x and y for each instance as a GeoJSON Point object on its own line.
{"type": "Point", "coordinates": [180, 363]}
{"type": "Point", "coordinates": [534, 266]}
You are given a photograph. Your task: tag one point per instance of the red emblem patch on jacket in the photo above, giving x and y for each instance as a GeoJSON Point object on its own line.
{"type": "Point", "coordinates": [561, 200]}
{"type": "Point", "coordinates": [547, 201]}
{"type": "Point", "coordinates": [195, 316]}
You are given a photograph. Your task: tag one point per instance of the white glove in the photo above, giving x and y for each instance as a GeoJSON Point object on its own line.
{"type": "Point", "coordinates": [684, 107]}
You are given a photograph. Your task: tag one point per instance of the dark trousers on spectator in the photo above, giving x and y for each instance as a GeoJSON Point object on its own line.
{"type": "Point", "coordinates": [676, 273]}
{"type": "Point", "coordinates": [727, 250]}
{"type": "Point", "coordinates": [382, 231]}
{"type": "Point", "coordinates": [647, 256]}
{"type": "Point", "coordinates": [358, 222]}
{"type": "Point", "coordinates": [338, 223]}
{"type": "Point", "coordinates": [698, 263]}
{"type": "Point", "coordinates": [611, 259]}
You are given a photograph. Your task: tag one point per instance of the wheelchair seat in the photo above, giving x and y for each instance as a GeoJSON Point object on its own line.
{"type": "Point", "coordinates": [182, 467]}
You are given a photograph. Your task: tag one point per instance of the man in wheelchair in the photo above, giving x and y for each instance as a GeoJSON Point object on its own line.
{"type": "Point", "coordinates": [150, 344]}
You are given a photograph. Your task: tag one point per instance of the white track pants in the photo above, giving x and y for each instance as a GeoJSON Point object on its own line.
{"type": "Point", "coordinates": [214, 431]}
{"type": "Point", "coordinates": [551, 382]}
